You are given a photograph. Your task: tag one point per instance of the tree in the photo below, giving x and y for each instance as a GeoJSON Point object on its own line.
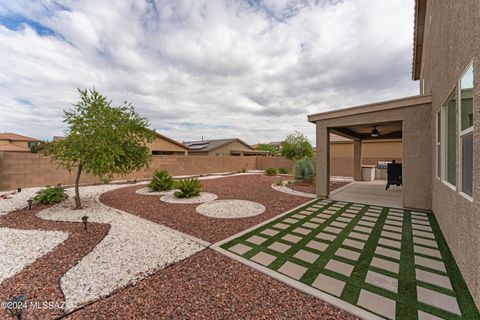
{"type": "Point", "coordinates": [267, 147]}
{"type": "Point", "coordinates": [296, 146]}
{"type": "Point", "coordinates": [102, 140]}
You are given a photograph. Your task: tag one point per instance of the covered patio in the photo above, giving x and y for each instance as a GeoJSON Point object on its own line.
{"type": "Point", "coordinates": [406, 119]}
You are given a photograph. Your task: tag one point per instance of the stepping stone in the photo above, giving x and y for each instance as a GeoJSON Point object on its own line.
{"type": "Point", "coordinates": [348, 215]}
{"type": "Point", "coordinates": [392, 228]}
{"type": "Point", "coordinates": [427, 316]}
{"type": "Point", "coordinates": [347, 220]}
{"type": "Point", "coordinates": [318, 220]}
{"type": "Point", "coordinates": [339, 267]}
{"type": "Point", "coordinates": [279, 247]}
{"type": "Point", "coordinates": [422, 227]}
{"type": "Point", "coordinates": [391, 217]}
{"type": "Point", "coordinates": [310, 225]}
{"type": "Point", "coordinates": [317, 245]}
{"type": "Point", "coordinates": [323, 216]}
{"type": "Point", "coordinates": [292, 270]}
{"type": "Point", "coordinates": [394, 223]}
{"type": "Point", "coordinates": [376, 303]}
{"type": "Point", "coordinates": [426, 251]}
{"type": "Point", "coordinates": [438, 300]}
{"type": "Point", "coordinates": [281, 226]}
{"type": "Point", "coordinates": [390, 243]}
{"type": "Point", "coordinates": [363, 229]}
{"type": "Point", "coordinates": [388, 253]}
{"type": "Point", "coordinates": [290, 220]}
{"type": "Point", "coordinates": [240, 248]}
{"type": "Point", "coordinates": [430, 263]}
{"type": "Point", "coordinates": [333, 230]}
{"type": "Point", "coordinates": [421, 222]}
{"type": "Point", "coordinates": [298, 217]}
{"type": "Point", "coordinates": [393, 235]}
{"type": "Point", "coordinates": [366, 223]}
{"type": "Point", "coordinates": [256, 240]}
{"type": "Point", "coordinates": [304, 213]}
{"type": "Point", "coordinates": [329, 285]}
{"type": "Point", "coordinates": [396, 214]}
{"type": "Point", "coordinates": [263, 258]}
{"type": "Point", "coordinates": [302, 231]}
{"type": "Point", "coordinates": [353, 243]}
{"type": "Point", "coordinates": [357, 235]}
{"type": "Point", "coordinates": [338, 224]}
{"type": "Point", "coordinates": [385, 265]}
{"type": "Point", "coordinates": [372, 219]}
{"type": "Point", "coordinates": [329, 212]}
{"type": "Point", "coordinates": [349, 254]}
{"type": "Point", "coordinates": [423, 234]}
{"type": "Point", "coordinates": [270, 232]}
{"type": "Point", "coordinates": [420, 217]}
{"type": "Point", "coordinates": [291, 238]}
{"type": "Point", "coordinates": [306, 256]}
{"type": "Point", "coordinates": [382, 281]}
{"type": "Point", "coordinates": [352, 211]}
{"type": "Point", "coordinates": [325, 236]}
{"type": "Point", "coordinates": [425, 242]}
{"type": "Point", "coordinates": [371, 214]}
{"type": "Point", "coordinates": [419, 213]}
{"type": "Point", "coordinates": [433, 278]}
{"type": "Point", "coordinates": [311, 209]}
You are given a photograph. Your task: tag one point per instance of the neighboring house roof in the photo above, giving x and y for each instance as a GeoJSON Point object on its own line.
{"type": "Point", "coordinates": [58, 138]}
{"type": "Point", "coordinates": [276, 143]}
{"type": "Point", "coordinates": [210, 145]}
{"type": "Point", "coordinates": [161, 136]}
{"type": "Point", "coordinates": [15, 137]}
{"type": "Point", "coordinates": [418, 36]}
{"type": "Point", "coordinates": [13, 148]}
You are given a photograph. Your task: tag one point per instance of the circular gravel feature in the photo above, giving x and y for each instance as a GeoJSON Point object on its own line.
{"type": "Point", "coordinates": [148, 192]}
{"type": "Point", "coordinates": [203, 197]}
{"type": "Point", "coordinates": [230, 209]}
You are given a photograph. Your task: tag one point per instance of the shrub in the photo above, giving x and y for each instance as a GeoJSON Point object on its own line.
{"type": "Point", "coordinates": [282, 170]}
{"type": "Point", "coordinates": [51, 195]}
{"type": "Point", "coordinates": [188, 188]}
{"type": "Point", "coordinates": [305, 170]}
{"type": "Point", "coordinates": [161, 181]}
{"type": "Point", "coordinates": [270, 171]}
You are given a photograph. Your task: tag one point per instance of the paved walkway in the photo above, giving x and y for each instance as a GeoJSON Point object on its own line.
{"type": "Point", "coordinates": [372, 193]}
{"type": "Point", "coordinates": [391, 263]}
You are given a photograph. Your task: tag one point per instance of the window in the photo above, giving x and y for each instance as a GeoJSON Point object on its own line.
{"type": "Point", "coordinates": [439, 144]}
{"type": "Point", "coordinates": [450, 146]}
{"type": "Point", "coordinates": [466, 132]}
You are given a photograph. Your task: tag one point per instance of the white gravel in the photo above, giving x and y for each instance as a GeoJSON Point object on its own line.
{"type": "Point", "coordinates": [203, 197]}
{"type": "Point", "coordinates": [148, 192]}
{"type": "Point", "coordinates": [230, 209]}
{"type": "Point", "coordinates": [19, 248]}
{"type": "Point", "coordinates": [133, 249]}
{"type": "Point", "coordinates": [16, 201]}
{"type": "Point", "coordinates": [285, 189]}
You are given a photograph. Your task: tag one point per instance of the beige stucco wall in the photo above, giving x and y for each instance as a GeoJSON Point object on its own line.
{"type": "Point", "coordinates": [160, 144]}
{"type": "Point", "coordinates": [451, 41]}
{"type": "Point", "coordinates": [231, 146]}
{"type": "Point", "coordinates": [23, 144]}
{"type": "Point", "coordinates": [416, 155]}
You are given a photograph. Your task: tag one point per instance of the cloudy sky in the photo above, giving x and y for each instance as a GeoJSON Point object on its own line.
{"type": "Point", "coordinates": [251, 69]}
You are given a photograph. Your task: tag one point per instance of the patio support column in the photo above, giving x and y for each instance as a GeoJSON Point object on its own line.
{"type": "Point", "coordinates": [357, 160]}
{"type": "Point", "coordinates": [323, 161]}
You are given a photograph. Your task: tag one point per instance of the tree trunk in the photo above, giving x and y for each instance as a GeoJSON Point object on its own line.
{"type": "Point", "coordinates": [78, 204]}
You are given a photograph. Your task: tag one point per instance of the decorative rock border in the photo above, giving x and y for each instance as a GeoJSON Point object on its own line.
{"type": "Point", "coordinates": [285, 189]}
{"type": "Point", "coordinates": [148, 192]}
{"type": "Point", "coordinates": [230, 209]}
{"type": "Point", "coordinates": [203, 197]}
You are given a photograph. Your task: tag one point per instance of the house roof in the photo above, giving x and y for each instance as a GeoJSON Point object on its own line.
{"type": "Point", "coordinates": [13, 148]}
{"type": "Point", "coordinates": [210, 145]}
{"type": "Point", "coordinates": [418, 36]}
{"type": "Point", "coordinates": [15, 137]}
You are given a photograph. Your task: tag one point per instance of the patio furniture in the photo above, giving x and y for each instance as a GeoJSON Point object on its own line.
{"type": "Point", "coordinates": [394, 174]}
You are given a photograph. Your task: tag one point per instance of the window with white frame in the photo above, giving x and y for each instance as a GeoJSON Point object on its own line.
{"type": "Point", "coordinates": [438, 142]}
{"type": "Point", "coordinates": [449, 172]}
{"type": "Point", "coordinates": [466, 131]}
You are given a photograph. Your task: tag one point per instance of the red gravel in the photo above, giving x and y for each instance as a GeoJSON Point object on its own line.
{"type": "Point", "coordinates": [310, 187]}
{"type": "Point", "coordinates": [41, 279]}
{"type": "Point", "coordinates": [184, 218]}
{"type": "Point", "coordinates": [209, 285]}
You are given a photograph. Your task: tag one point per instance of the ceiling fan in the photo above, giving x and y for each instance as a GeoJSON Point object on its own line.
{"type": "Point", "coordinates": [375, 132]}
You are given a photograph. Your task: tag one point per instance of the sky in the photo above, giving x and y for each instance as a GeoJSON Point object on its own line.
{"type": "Point", "coordinates": [250, 69]}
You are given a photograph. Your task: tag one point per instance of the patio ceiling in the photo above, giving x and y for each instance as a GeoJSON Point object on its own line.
{"type": "Point", "coordinates": [388, 130]}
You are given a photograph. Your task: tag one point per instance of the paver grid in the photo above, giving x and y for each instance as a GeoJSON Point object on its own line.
{"type": "Point", "coordinates": [392, 262]}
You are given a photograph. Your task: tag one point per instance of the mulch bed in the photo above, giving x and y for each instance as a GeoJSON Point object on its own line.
{"type": "Point", "coordinates": [310, 187]}
{"type": "Point", "coordinates": [209, 285]}
{"type": "Point", "coordinates": [40, 281]}
{"type": "Point", "coordinates": [184, 218]}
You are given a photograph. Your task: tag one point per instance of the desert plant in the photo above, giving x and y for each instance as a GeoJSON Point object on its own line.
{"type": "Point", "coordinates": [188, 188]}
{"type": "Point", "coordinates": [270, 171]}
{"type": "Point", "coordinates": [282, 170]}
{"type": "Point", "coordinates": [267, 147]}
{"type": "Point", "coordinates": [296, 146]}
{"type": "Point", "coordinates": [51, 195]}
{"type": "Point", "coordinates": [161, 181]}
{"type": "Point", "coordinates": [305, 170]}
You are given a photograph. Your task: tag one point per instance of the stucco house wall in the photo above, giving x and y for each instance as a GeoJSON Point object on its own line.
{"type": "Point", "coordinates": [160, 144]}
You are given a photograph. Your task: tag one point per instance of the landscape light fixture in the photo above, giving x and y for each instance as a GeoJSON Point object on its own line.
{"type": "Point", "coordinates": [85, 220]}
{"type": "Point", "coordinates": [16, 306]}
{"type": "Point", "coordinates": [375, 132]}
{"type": "Point", "coordinates": [19, 189]}
{"type": "Point", "coordinates": [30, 201]}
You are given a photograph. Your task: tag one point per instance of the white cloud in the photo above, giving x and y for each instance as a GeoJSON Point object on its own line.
{"type": "Point", "coordinates": [213, 68]}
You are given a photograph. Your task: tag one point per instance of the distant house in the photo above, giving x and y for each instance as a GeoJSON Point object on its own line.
{"type": "Point", "coordinates": [222, 147]}
{"type": "Point", "coordinates": [277, 145]}
{"type": "Point", "coordinates": [12, 142]}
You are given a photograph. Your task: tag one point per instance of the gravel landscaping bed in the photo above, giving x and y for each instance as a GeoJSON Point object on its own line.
{"type": "Point", "coordinates": [40, 280]}
{"type": "Point", "coordinates": [203, 197]}
{"type": "Point", "coordinates": [230, 209]}
{"type": "Point", "coordinates": [209, 286]}
{"type": "Point", "coordinates": [13, 200]}
{"type": "Point", "coordinates": [184, 217]}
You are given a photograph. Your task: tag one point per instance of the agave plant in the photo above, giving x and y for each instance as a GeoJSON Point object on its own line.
{"type": "Point", "coordinates": [188, 188]}
{"type": "Point", "coordinates": [161, 181]}
{"type": "Point", "coordinates": [305, 170]}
